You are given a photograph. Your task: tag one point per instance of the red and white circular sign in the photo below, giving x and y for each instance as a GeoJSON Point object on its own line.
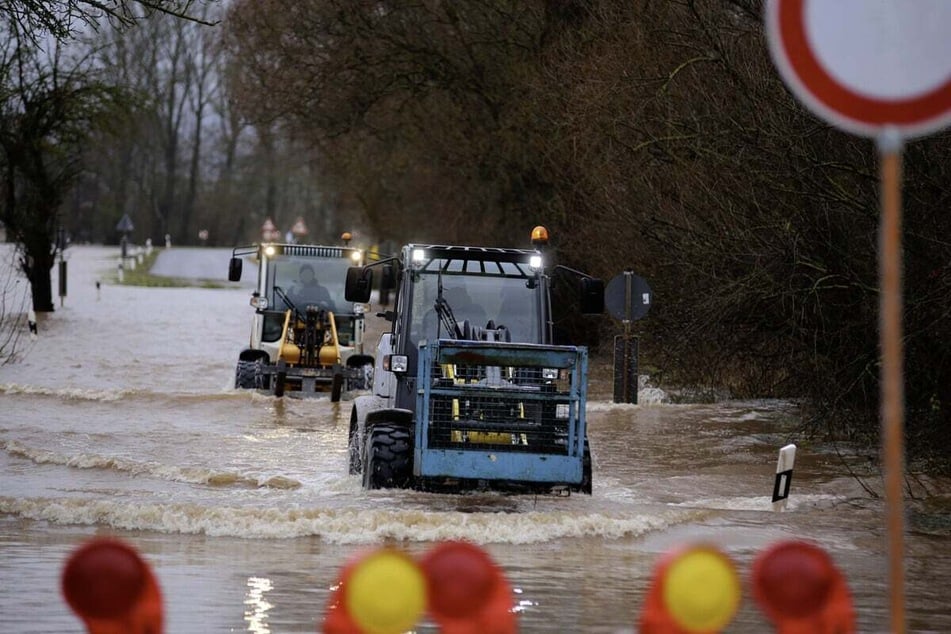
{"type": "Point", "coordinates": [866, 65]}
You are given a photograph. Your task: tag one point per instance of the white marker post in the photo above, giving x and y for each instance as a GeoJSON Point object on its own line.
{"type": "Point", "coordinates": [784, 467]}
{"type": "Point", "coordinates": [31, 324]}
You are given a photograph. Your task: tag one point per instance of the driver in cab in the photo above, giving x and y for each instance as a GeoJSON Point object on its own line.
{"type": "Point", "coordinates": [308, 292]}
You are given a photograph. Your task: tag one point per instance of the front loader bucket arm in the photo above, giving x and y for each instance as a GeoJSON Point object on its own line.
{"type": "Point", "coordinates": [333, 332]}
{"type": "Point", "coordinates": [284, 331]}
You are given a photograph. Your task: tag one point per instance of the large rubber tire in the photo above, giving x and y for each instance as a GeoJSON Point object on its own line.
{"type": "Point", "coordinates": [388, 459]}
{"type": "Point", "coordinates": [353, 444]}
{"type": "Point", "coordinates": [244, 375]}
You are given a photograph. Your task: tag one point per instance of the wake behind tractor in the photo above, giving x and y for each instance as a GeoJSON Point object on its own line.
{"type": "Point", "coordinates": [469, 392]}
{"type": "Point", "coordinates": [306, 339]}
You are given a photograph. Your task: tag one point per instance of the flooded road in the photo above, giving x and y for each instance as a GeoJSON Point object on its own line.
{"type": "Point", "coordinates": [120, 419]}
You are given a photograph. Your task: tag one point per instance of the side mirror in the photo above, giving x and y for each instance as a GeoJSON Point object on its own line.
{"type": "Point", "coordinates": [592, 296]}
{"type": "Point", "coordinates": [359, 284]}
{"type": "Point", "coordinates": [387, 278]}
{"type": "Point", "coordinates": [234, 270]}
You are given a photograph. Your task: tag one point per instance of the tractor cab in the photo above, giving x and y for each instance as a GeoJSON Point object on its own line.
{"type": "Point", "coordinates": [306, 338]}
{"type": "Point", "coordinates": [468, 385]}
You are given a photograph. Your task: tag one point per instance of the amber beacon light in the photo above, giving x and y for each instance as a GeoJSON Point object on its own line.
{"type": "Point", "coordinates": [539, 236]}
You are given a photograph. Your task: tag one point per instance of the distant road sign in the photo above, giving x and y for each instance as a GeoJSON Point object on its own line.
{"type": "Point", "coordinates": [866, 65]}
{"type": "Point", "coordinates": [299, 228]}
{"type": "Point", "coordinates": [125, 224]}
{"type": "Point", "coordinates": [628, 297]}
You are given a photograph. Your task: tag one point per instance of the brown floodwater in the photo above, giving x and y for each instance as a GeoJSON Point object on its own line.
{"type": "Point", "coordinates": [120, 419]}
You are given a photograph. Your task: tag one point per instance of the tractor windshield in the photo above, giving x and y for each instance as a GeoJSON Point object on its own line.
{"type": "Point", "coordinates": [306, 281]}
{"type": "Point", "coordinates": [489, 294]}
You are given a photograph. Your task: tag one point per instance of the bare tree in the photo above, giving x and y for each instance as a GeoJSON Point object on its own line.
{"type": "Point", "coordinates": [62, 19]}
{"type": "Point", "coordinates": [46, 116]}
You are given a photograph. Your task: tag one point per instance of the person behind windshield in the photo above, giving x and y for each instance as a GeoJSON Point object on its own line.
{"type": "Point", "coordinates": [308, 292]}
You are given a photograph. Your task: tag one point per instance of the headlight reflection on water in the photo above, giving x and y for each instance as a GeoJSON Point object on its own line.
{"type": "Point", "coordinates": [522, 604]}
{"type": "Point", "coordinates": [257, 606]}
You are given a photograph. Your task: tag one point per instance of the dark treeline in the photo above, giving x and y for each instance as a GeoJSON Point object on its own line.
{"type": "Point", "coordinates": [652, 135]}
{"type": "Point", "coordinates": [648, 135]}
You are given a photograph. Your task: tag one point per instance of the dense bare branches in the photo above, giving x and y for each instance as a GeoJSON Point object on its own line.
{"type": "Point", "coordinates": [653, 135]}
{"type": "Point", "coordinates": [62, 18]}
{"type": "Point", "coordinates": [411, 104]}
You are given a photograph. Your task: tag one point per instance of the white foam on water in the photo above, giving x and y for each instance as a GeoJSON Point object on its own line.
{"type": "Point", "coordinates": [760, 503]}
{"type": "Point", "coordinates": [78, 394]}
{"type": "Point", "coordinates": [190, 475]}
{"type": "Point", "coordinates": [343, 526]}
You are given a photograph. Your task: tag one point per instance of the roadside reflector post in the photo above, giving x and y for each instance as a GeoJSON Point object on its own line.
{"type": "Point", "coordinates": [784, 469]}
{"type": "Point", "coordinates": [31, 324]}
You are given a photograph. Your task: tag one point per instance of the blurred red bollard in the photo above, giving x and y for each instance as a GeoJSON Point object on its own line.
{"type": "Point", "coordinates": [468, 593]}
{"type": "Point", "coordinates": [112, 589]}
{"type": "Point", "coordinates": [693, 590]}
{"type": "Point", "coordinates": [801, 591]}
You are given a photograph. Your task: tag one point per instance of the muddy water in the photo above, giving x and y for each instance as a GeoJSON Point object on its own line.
{"type": "Point", "coordinates": [120, 419]}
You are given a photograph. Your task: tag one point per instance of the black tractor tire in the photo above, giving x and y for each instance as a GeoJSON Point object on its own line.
{"type": "Point", "coordinates": [388, 457]}
{"type": "Point", "coordinates": [244, 375]}
{"type": "Point", "coordinates": [353, 444]}
{"type": "Point", "coordinates": [336, 387]}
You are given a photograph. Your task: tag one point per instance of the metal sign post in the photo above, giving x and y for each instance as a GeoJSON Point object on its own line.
{"type": "Point", "coordinates": [628, 298]}
{"type": "Point", "coordinates": [892, 382]}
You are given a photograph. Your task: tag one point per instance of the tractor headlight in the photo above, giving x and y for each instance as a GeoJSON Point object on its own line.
{"type": "Point", "coordinates": [259, 302]}
{"type": "Point", "coordinates": [550, 373]}
{"type": "Point", "coordinates": [535, 262]}
{"type": "Point", "coordinates": [356, 256]}
{"type": "Point", "coordinates": [419, 258]}
{"type": "Point", "coordinates": [269, 250]}
{"type": "Point", "coordinates": [359, 309]}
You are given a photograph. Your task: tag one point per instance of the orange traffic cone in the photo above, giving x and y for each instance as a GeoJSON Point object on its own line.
{"type": "Point", "coordinates": [468, 593]}
{"type": "Point", "coordinates": [801, 591]}
{"type": "Point", "coordinates": [112, 589]}
{"type": "Point", "coordinates": [693, 591]}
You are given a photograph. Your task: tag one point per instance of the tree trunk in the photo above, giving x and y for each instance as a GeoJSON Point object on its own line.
{"type": "Point", "coordinates": [37, 270]}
